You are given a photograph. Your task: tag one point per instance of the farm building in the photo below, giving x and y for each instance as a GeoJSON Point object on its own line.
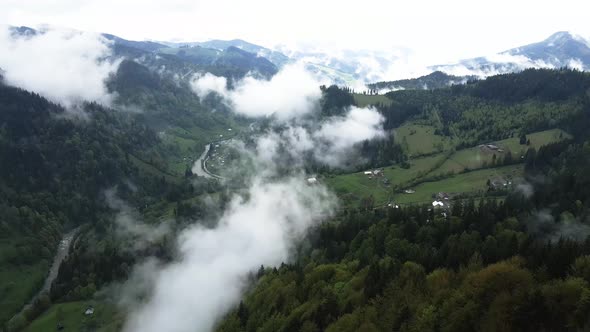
{"type": "Point", "coordinates": [377, 172]}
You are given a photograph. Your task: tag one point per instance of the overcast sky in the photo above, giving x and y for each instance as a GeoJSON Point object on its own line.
{"type": "Point", "coordinates": [441, 30]}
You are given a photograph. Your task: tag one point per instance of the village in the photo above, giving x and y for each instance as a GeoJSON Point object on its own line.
{"type": "Point", "coordinates": [442, 200]}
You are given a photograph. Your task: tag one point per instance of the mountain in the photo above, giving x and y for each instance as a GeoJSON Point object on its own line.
{"type": "Point", "coordinates": [341, 69]}
{"type": "Point", "coordinates": [559, 50]}
{"type": "Point", "coordinates": [277, 58]}
{"type": "Point", "coordinates": [232, 61]}
{"type": "Point", "coordinates": [54, 168]}
{"type": "Point", "coordinates": [435, 80]}
{"type": "Point", "coordinates": [562, 49]}
{"type": "Point", "coordinates": [22, 31]}
{"type": "Point", "coordinates": [147, 46]}
{"type": "Point", "coordinates": [346, 67]}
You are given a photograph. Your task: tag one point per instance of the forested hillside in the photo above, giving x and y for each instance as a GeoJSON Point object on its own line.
{"type": "Point", "coordinates": [435, 80]}
{"type": "Point", "coordinates": [56, 166]}
{"type": "Point", "coordinates": [495, 108]}
{"type": "Point", "coordinates": [517, 264]}
{"type": "Point", "coordinates": [510, 259]}
{"type": "Point", "coordinates": [226, 166]}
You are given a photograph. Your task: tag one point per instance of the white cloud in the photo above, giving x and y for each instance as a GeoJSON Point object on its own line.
{"type": "Point", "coordinates": [205, 84]}
{"type": "Point", "coordinates": [576, 64]}
{"type": "Point", "coordinates": [459, 31]}
{"type": "Point", "coordinates": [499, 63]}
{"type": "Point", "coordinates": [129, 225]}
{"type": "Point", "coordinates": [290, 93]}
{"type": "Point", "coordinates": [526, 189]}
{"type": "Point", "coordinates": [543, 224]}
{"type": "Point", "coordinates": [259, 227]}
{"type": "Point", "coordinates": [332, 142]}
{"type": "Point", "coordinates": [519, 61]}
{"type": "Point", "coordinates": [339, 135]}
{"type": "Point", "coordinates": [195, 291]}
{"type": "Point", "coordinates": [64, 66]}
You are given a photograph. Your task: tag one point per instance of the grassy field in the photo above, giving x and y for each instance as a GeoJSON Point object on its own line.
{"type": "Point", "coordinates": [537, 139]}
{"type": "Point", "coordinates": [354, 186]}
{"type": "Point", "coordinates": [17, 286]}
{"type": "Point", "coordinates": [351, 188]}
{"type": "Point", "coordinates": [362, 100]}
{"type": "Point", "coordinates": [478, 157]}
{"type": "Point", "coordinates": [474, 182]}
{"type": "Point", "coordinates": [71, 316]}
{"type": "Point", "coordinates": [420, 139]}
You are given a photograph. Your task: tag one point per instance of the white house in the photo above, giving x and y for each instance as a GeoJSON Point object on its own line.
{"type": "Point", "coordinates": [438, 204]}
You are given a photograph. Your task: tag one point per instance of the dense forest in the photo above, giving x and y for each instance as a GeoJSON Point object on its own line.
{"type": "Point", "coordinates": [519, 264]}
{"type": "Point", "coordinates": [435, 80]}
{"type": "Point", "coordinates": [500, 107]}
{"type": "Point", "coordinates": [56, 166]}
{"type": "Point", "coordinates": [508, 263]}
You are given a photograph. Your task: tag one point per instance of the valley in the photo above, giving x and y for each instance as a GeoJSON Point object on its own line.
{"type": "Point", "coordinates": [441, 170]}
{"type": "Point", "coordinates": [225, 186]}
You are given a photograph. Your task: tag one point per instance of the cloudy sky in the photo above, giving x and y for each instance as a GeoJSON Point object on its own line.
{"type": "Point", "coordinates": [444, 30]}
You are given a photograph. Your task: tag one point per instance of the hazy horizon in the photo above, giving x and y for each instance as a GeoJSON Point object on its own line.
{"type": "Point", "coordinates": [429, 31]}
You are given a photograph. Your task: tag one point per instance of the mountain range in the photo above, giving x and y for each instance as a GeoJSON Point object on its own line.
{"type": "Point", "coordinates": [348, 67]}
{"type": "Point", "coordinates": [236, 58]}
{"type": "Point", "coordinates": [562, 49]}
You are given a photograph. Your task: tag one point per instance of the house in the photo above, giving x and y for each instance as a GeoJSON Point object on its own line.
{"type": "Point", "coordinates": [497, 183]}
{"type": "Point", "coordinates": [368, 173]}
{"type": "Point", "coordinates": [438, 204]}
{"type": "Point", "coordinates": [89, 311]}
{"type": "Point", "coordinates": [312, 180]}
{"type": "Point", "coordinates": [377, 172]}
{"type": "Point", "coordinates": [410, 191]}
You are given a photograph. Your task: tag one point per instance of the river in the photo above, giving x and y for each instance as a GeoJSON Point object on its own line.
{"type": "Point", "coordinates": [62, 252]}
{"type": "Point", "coordinates": [200, 165]}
